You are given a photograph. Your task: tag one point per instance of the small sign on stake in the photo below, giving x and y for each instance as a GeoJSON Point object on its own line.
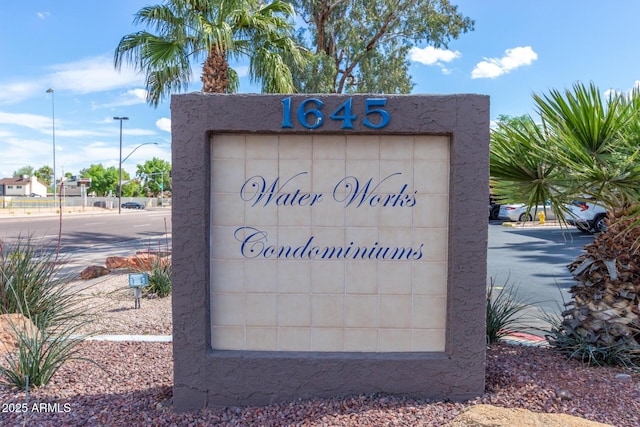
{"type": "Point", "coordinates": [137, 281]}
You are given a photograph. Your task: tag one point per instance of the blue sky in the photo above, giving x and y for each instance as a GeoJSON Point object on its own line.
{"type": "Point", "coordinates": [518, 48]}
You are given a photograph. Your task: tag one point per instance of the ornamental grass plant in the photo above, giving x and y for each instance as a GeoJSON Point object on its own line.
{"type": "Point", "coordinates": [40, 353]}
{"type": "Point", "coordinates": [159, 272]}
{"type": "Point", "coordinates": [505, 310]}
{"type": "Point", "coordinates": [31, 282]}
{"type": "Point", "coordinates": [32, 285]}
{"type": "Point", "coordinates": [160, 277]}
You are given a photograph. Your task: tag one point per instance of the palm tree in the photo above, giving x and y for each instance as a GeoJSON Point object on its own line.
{"type": "Point", "coordinates": [212, 32]}
{"type": "Point", "coordinates": [584, 147]}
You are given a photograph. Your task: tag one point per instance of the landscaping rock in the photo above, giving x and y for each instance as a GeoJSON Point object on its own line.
{"type": "Point", "coordinates": [143, 261]}
{"type": "Point", "coordinates": [93, 271]}
{"type": "Point", "coordinates": [138, 262]}
{"type": "Point", "coordinates": [494, 416]}
{"type": "Point", "coordinates": [11, 325]}
{"type": "Point", "coordinates": [114, 262]}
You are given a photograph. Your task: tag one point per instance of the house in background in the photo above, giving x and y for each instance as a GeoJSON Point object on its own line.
{"type": "Point", "coordinates": [75, 186]}
{"type": "Point", "coordinates": [23, 186]}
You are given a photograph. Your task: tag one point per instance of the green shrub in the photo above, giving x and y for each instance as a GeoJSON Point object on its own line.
{"type": "Point", "coordinates": [31, 284]}
{"type": "Point", "coordinates": [504, 310]}
{"type": "Point", "coordinates": [160, 277]}
{"type": "Point", "coordinates": [40, 354]}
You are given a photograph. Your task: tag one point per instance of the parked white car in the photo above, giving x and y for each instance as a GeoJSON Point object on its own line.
{"type": "Point", "coordinates": [589, 217]}
{"type": "Point", "coordinates": [519, 212]}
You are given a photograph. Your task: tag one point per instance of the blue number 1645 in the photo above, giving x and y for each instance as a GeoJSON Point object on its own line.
{"type": "Point", "coordinates": [309, 113]}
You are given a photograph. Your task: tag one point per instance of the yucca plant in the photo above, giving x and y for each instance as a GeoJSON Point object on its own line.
{"type": "Point", "coordinates": [158, 270]}
{"type": "Point", "coordinates": [31, 284]}
{"type": "Point", "coordinates": [40, 354]}
{"type": "Point", "coordinates": [160, 277]}
{"type": "Point", "coordinates": [504, 311]}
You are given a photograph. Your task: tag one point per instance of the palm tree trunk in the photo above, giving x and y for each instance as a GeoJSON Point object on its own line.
{"type": "Point", "coordinates": [215, 77]}
{"type": "Point", "coordinates": [604, 307]}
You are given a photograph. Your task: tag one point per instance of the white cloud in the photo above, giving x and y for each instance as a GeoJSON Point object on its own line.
{"type": "Point", "coordinates": [164, 124]}
{"type": "Point", "coordinates": [130, 97]}
{"type": "Point", "coordinates": [19, 152]}
{"type": "Point", "coordinates": [612, 93]}
{"type": "Point", "coordinates": [430, 55]}
{"type": "Point", "coordinates": [138, 132]}
{"type": "Point", "coordinates": [18, 91]}
{"type": "Point", "coordinates": [139, 94]}
{"type": "Point", "coordinates": [31, 121]}
{"type": "Point", "coordinates": [90, 75]}
{"type": "Point", "coordinates": [43, 15]}
{"type": "Point", "coordinates": [242, 70]}
{"type": "Point", "coordinates": [79, 133]}
{"type": "Point", "coordinates": [512, 59]}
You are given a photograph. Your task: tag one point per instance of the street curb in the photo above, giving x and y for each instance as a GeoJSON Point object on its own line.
{"type": "Point", "coordinates": [533, 225]}
{"type": "Point", "coordinates": [136, 338]}
{"type": "Point", "coordinates": [522, 338]}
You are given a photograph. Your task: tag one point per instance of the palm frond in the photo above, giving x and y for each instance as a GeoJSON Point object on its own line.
{"type": "Point", "coordinates": [182, 32]}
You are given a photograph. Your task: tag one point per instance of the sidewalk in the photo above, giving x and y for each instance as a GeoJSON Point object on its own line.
{"type": "Point", "coordinates": [51, 211]}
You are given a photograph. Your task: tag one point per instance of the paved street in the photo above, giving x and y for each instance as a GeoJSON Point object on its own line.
{"type": "Point", "coordinates": [88, 238]}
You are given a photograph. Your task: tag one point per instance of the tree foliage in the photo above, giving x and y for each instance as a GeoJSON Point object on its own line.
{"type": "Point", "coordinates": [44, 174]}
{"type": "Point", "coordinates": [24, 170]}
{"type": "Point", "coordinates": [104, 180]}
{"type": "Point", "coordinates": [209, 33]}
{"type": "Point", "coordinates": [362, 46]}
{"type": "Point", "coordinates": [155, 175]}
{"type": "Point", "coordinates": [131, 188]}
{"type": "Point", "coordinates": [584, 146]}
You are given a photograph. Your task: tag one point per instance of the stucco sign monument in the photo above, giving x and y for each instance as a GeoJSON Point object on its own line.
{"type": "Point", "coordinates": [326, 245]}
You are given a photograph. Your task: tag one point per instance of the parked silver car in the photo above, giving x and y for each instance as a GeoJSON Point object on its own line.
{"type": "Point", "coordinates": [520, 212]}
{"type": "Point", "coordinates": [588, 216]}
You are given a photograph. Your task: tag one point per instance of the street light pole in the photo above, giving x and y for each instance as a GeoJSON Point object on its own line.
{"type": "Point", "coordinates": [53, 124]}
{"type": "Point", "coordinates": [124, 160]}
{"type": "Point", "coordinates": [120, 166]}
{"type": "Point", "coordinates": [132, 151]}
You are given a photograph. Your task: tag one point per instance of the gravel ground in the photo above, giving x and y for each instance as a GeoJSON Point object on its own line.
{"type": "Point", "coordinates": [111, 299]}
{"type": "Point", "coordinates": [133, 386]}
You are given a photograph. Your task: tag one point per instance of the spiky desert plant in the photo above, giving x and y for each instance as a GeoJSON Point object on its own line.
{"type": "Point", "coordinates": [505, 308]}
{"type": "Point", "coordinates": [31, 282]}
{"type": "Point", "coordinates": [32, 285]}
{"type": "Point", "coordinates": [40, 353]}
{"type": "Point", "coordinates": [160, 277]}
